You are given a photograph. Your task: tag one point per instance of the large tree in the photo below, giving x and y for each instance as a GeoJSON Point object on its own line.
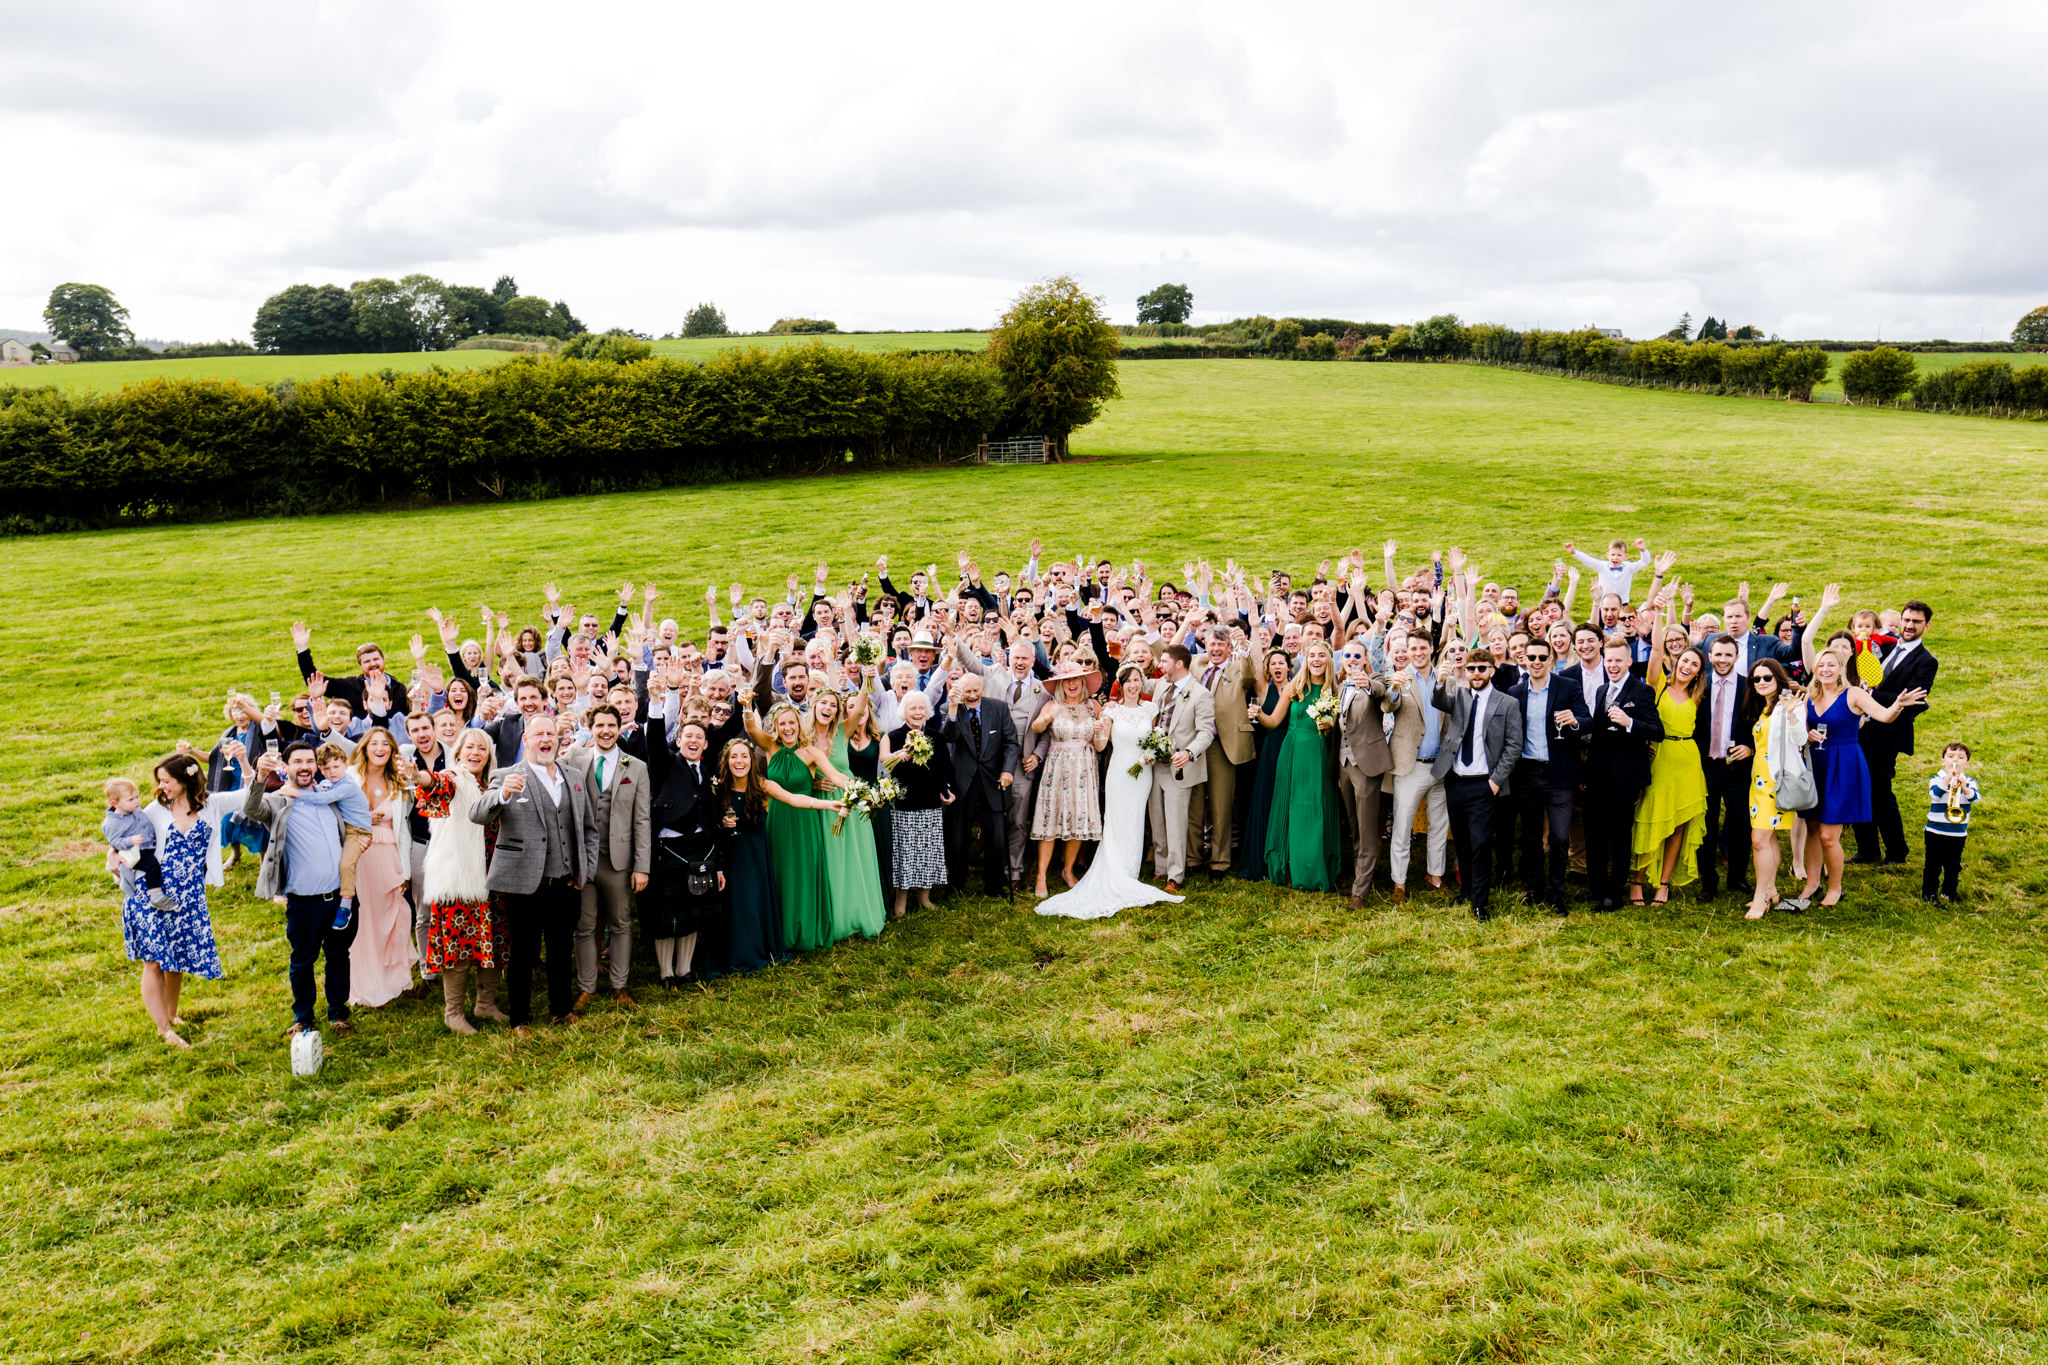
{"type": "Point", "coordinates": [2032, 330]}
{"type": "Point", "coordinates": [529, 316]}
{"type": "Point", "coordinates": [87, 316]}
{"type": "Point", "coordinates": [1167, 303]}
{"type": "Point", "coordinates": [471, 311]}
{"type": "Point", "coordinates": [306, 319]}
{"type": "Point", "coordinates": [566, 323]}
{"type": "Point", "coordinates": [705, 320]}
{"type": "Point", "coordinates": [426, 298]}
{"type": "Point", "coordinates": [1878, 376]}
{"type": "Point", "coordinates": [1057, 358]}
{"type": "Point", "coordinates": [381, 312]}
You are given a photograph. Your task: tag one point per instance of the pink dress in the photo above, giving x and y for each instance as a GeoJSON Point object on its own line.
{"type": "Point", "coordinates": [380, 960]}
{"type": "Point", "coordinates": [1069, 794]}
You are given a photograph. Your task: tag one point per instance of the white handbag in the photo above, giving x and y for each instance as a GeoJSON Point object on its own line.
{"type": "Point", "coordinates": [1791, 768]}
{"type": "Point", "coordinates": [307, 1053]}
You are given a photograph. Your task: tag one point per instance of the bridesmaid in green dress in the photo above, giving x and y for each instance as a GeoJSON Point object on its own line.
{"type": "Point", "coordinates": [1304, 848]}
{"type": "Point", "coordinates": [850, 867]}
{"type": "Point", "coordinates": [749, 867]}
{"type": "Point", "coordinates": [796, 827]}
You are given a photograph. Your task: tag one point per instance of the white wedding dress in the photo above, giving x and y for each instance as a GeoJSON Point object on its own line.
{"type": "Point", "coordinates": [1112, 882]}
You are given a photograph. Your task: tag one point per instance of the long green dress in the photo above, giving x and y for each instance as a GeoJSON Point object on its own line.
{"type": "Point", "coordinates": [850, 866]}
{"type": "Point", "coordinates": [1304, 847]}
{"type": "Point", "coordinates": [796, 841]}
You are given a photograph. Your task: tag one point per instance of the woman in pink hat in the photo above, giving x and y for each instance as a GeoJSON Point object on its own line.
{"type": "Point", "coordinates": [1069, 794]}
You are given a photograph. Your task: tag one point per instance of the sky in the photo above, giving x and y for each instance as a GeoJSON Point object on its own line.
{"type": "Point", "coordinates": [1819, 170]}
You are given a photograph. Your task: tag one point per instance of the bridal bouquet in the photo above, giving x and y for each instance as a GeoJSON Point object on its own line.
{"type": "Point", "coordinates": [1323, 711]}
{"type": "Point", "coordinates": [867, 650]}
{"type": "Point", "coordinates": [917, 748]}
{"type": "Point", "coordinates": [1155, 746]}
{"type": "Point", "coordinates": [865, 798]}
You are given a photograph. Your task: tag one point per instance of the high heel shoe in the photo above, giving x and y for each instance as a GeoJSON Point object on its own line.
{"type": "Point", "coordinates": [1635, 893]}
{"type": "Point", "coordinates": [1663, 896]}
{"type": "Point", "coordinates": [1758, 911]}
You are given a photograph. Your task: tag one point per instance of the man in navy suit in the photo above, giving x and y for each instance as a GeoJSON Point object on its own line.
{"type": "Point", "coordinates": [1624, 725]}
{"type": "Point", "coordinates": [1907, 664]}
{"type": "Point", "coordinates": [1752, 642]}
{"type": "Point", "coordinates": [1725, 759]}
{"type": "Point", "coordinates": [1554, 719]}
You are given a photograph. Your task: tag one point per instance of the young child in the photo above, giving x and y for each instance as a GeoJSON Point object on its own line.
{"type": "Point", "coordinates": [133, 840]}
{"type": "Point", "coordinates": [1618, 574]}
{"type": "Point", "coordinates": [1951, 793]}
{"type": "Point", "coordinates": [355, 821]}
{"type": "Point", "coordinates": [1869, 669]}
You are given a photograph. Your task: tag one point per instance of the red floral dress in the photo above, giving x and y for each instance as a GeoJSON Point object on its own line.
{"type": "Point", "coordinates": [459, 931]}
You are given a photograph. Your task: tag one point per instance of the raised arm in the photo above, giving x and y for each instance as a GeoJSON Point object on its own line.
{"type": "Point", "coordinates": [1808, 654]}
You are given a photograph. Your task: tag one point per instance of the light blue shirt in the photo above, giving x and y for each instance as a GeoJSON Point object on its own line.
{"type": "Point", "coordinates": [1536, 722]}
{"type": "Point", "coordinates": [1432, 719]}
{"type": "Point", "coordinates": [312, 841]}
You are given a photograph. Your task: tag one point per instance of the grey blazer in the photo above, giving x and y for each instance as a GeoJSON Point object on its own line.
{"type": "Point", "coordinates": [1502, 740]}
{"type": "Point", "coordinates": [628, 838]}
{"type": "Point", "coordinates": [521, 857]}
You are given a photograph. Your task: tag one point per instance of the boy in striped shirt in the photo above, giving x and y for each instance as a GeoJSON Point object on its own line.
{"type": "Point", "coordinates": [1951, 793]}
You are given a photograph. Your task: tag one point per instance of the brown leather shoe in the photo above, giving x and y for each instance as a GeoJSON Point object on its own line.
{"type": "Point", "coordinates": [1358, 902]}
{"type": "Point", "coordinates": [521, 1032]}
{"type": "Point", "coordinates": [1398, 895]}
{"type": "Point", "coordinates": [583, 1000]}
{"type": "Point", "coordinates": [1171, 888]}
{"type": "Point", "coordinates": [342, 1028]}
{"type": "Point", "coordinates": [1435, 883]}
{"type": "Point", "coordinates": [620, 997]}
{"type": "Point", "coordinates": [572, 1017]}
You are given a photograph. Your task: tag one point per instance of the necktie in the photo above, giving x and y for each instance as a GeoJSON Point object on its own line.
{"type": "Point", "coordinates": [1016, 690]}
{"type": "Point", "coordinates": [1209, 678]}
{"type": "Point", "coordinates": [974, 728]}
{"type": "Point", "coordinates": [1471, 729]}
{"type": "Point", "coordinates": [600, 772]}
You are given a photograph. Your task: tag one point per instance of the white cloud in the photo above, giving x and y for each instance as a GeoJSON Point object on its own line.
{"type": "Point", "coordinates": [914, 165]}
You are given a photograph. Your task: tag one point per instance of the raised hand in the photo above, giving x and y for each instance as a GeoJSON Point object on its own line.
{"type": "Point", "coordinates": [1642, 544]}
{"type": "Point", "coordinates": [625, 592]}
{"type": "Point", "coordinates": [711, 597]}
{"type": "Point", "coordinates": [738, 594]}
{"type": "Point", "coordinates": [418, 648]}
{"type": "Point", "coordinates": [1571, 547]}
{"type": "Point", "coordinates": [648, 594]}
{"type": "Point", "coordinates": [301, 636]}
{"type": "Point", "coordinates": [1664, 561]}
{"type": "Point", "coordinates": [792, 587]}
{"type": "Point", "coordinates": [1830, 596]}
{"type": "Point", "coordinates": [824, 571]}
{"type": "Point", "coordinates": [1557, 568]}
{"type": "Point", "coordinates": [553, 593]}
{"type": "Point", "coordinates": [316, 684]}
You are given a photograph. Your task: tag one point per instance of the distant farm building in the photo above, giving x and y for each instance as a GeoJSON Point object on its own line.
{"type": "Point", "coordinates": [14, 352]}
{"type": "Point", "coordinates": [63, 352]}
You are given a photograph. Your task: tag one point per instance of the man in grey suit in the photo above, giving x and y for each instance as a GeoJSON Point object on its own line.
{"type": "Point", "coordinates": [1188, 715]}
{"type": "Point", "coordinates": [1363, 761]}
{"type": "Point", "coordinates": [547, 849]}
{"type": "Point", "coordinates": [621, 797]}
{"type": "Point", "coordinates": [1482, 742]}
{"type": "Point", "coordinates": [1014, 685]}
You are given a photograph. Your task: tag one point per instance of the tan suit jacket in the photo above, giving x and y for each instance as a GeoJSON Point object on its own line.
{"type": "Point", "coordinates": [1233, 693]}
{"type": "Point", "coordinates": [1407, 709]}
{"type": "Point", "coordinates": [1361, 736]}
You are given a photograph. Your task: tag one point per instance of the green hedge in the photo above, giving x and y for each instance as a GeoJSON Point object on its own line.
{"type": "Point", "coordinates": [1986, 386]}
{"type": "Point", "coordinates": [531, 427]}
{"type": "Point", "coordinates": [1706, 366]}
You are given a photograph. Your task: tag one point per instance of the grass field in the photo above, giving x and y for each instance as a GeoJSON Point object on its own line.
{"type": "Point", "coordinates": [697, 348]}
{"type": "Point", "coordinates": [1254, 1127]}
{"type": "Point", "coordinates": [105, 376]}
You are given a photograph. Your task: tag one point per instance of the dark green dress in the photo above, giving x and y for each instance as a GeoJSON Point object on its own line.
{"type": "Point", "coordinates": [796, 842]}
{"type": "Point", "coordinates": [756, 918]}
{"type": "Point", "coordinates": [1304, 848]}
{"type": "Point", "coordinates": [1251, 858]}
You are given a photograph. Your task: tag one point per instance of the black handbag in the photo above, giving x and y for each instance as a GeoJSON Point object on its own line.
{"type": "Point", "coordinates": [700, 875]}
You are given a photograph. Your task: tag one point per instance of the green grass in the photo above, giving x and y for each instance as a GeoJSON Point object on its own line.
{"type": "Point", "coordinates": [1254, 1127]}
{"type": "Point", "coordinates": [1927, 363]}
{"type": "Point", "coordinates": [105, 376]}
{"type": "Point", "coordinates": [698, 348]}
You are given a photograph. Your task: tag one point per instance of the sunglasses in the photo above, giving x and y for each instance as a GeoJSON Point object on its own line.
{"type": "Point", "coordinates": [1479, 668]}
{"type": "Point", "coordinates": [1761, 677]}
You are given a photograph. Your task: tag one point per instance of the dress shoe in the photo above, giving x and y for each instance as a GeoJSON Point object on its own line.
{"type": "Point", "coordinates": [1607, 906]}
{"type": "Point", "coordinates": [619, 996]}
{"type": "Point", "coordinates": [522, 1032]}
{"type": "Point", "coordinates": [342, 1028]}
{"type": "Point", "coordinates": [1864, 860]}
{"type": "Point", "coordinates": [572, 1017]}
{"type": "Point", "coordinates": [1398, 896]}
{"type": "Point", "coordinates": [1479, 913]}
{"type": "Point", "coordinates": [1358, 902]}
{"type": "Point", "coordinates": [1435, 883]}
{"type": "Point", "coordinates": [1171, 888]}
{"type": "Point", "coordinates": [583, 999]}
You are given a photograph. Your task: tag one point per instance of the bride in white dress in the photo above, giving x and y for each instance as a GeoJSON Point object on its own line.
{"type": "Point", "coordinates": [1112, 882]}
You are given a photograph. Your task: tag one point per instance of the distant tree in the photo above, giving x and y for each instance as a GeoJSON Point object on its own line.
{"type": "Point", "coordinates": [1747, 333]}
{"type": "Point", "coordinates": [1441, 337]}
{"type": "Point", "coordinates": [618, 347]}
{"type": "Point", "coordinates": [505, 290]}
{"type": "Point", "coordinates": [1057, 358]}
{"type": "Point", "coordinates": [2032, 330]}
{"type": "Point", "coordinates": [1167, 303]}
{"type": "Point", "coordinates": [1797, 371]}
{"type": "Point", "coordinates": [87, 316]}
{"type": "Point", "coordinates": [1878, 376]}
{"type": "Point", "coordinates": [426, 298]}
{"type": "Point", "coordinates": [566, 323]}
{"type": "Point", "coordinates": [1713, 329]}
{"type": "Point", "coordinates": [380, 311]}
{"type": "Point", "coordinates": [802, 326]}
{"type": "Point", "coordinates": [705, 320]}
{"type": "Point", "coordinates": [1285, 338]}
{"type": "Point", "coordinates": [1683, 331]}
{"type": "Point", "coordinates": [528, 316]}
{"type": "Point", "coordinates": [305, 319]}
{"type": "Point", "coordinates": [471, 311]}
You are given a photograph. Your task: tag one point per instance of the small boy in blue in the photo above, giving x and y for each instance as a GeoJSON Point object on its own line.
{"type": "Point", "coordinates": [355, 822]}
{"type": "Point", "coordinates": [133, 840]}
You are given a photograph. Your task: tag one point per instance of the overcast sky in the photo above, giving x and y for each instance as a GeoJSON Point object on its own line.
{"type": "Point", "coordinates": [1818, 170]}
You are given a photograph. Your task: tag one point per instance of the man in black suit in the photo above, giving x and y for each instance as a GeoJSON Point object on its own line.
{"type": "Point", "coordinates": [1725, 758]}
{"type": "Point", "coordinates": [1624, 726]}
{"type": "Point", "coordinates": [1482, 742]}
{"type": "Point", "coordinates": [1555, 718]}
{"type": "Point", "coordinates": [985, 750]}
{"type": "Point", "coordinates": [373, 692]}
{"type": "Point", "coordinates": [508, 731]}
{"type": "Point", "coordinates": [1907, 664]}
{"type": "Point", "coordinates": [685, 817]}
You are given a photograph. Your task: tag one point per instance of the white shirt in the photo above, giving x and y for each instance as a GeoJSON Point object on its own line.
{"type": "Point", "coordinates": [1590, 679]}
{"type": "Point", "coordinates": [1901, 650]}
{"type": "Point", "coordinates": [1478, 766]}
{"type": "Point", "coordinates": [606, 761]}
{"type": "Point", "coordinates": [550, 780]}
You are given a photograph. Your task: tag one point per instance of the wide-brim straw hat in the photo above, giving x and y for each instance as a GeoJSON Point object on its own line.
{"type": "Point", "coordinates": [1069, 672]}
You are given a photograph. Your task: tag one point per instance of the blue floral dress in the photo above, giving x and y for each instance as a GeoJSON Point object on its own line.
{"type": "Point", "coordinates": [179, 940]}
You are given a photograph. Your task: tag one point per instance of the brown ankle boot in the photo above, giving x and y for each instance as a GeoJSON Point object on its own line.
{"type": "Point", "coordinates": [453, 980]}
{"type": "Point", "coordinates": [487, 995]}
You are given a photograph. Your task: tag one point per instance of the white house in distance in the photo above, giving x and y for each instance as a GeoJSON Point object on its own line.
{"type": "Point", "coordinates": [14, 352]}
{"type": "Point", "coordinates": [63, 353]}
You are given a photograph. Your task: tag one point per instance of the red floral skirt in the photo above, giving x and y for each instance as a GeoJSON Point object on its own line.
{"type": "Point", "coordinates": [461, 932]}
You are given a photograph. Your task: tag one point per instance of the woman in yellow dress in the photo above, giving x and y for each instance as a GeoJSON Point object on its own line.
{"type": "Point", "coordinates": [1671, 819]}
{"type": "Point", "coordinates": [1770, 687]}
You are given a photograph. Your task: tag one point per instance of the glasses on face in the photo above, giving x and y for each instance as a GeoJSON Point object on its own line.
{"type": "Point", "coordinates": [1538, 656]}
{"type": "Point", "coordinates": [1761, 677]}
{"type": "Point", "coordinates": [1479, 668]}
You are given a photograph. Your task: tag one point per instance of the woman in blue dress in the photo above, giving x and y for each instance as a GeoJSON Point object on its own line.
{"type": "Point", "coordinates": [1835, 713]}
{"type": "Point", "coordinates": [170, 944]}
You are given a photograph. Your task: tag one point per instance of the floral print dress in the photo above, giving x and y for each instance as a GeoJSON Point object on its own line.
{"type": "Point", "coordinates": [179, 940]}
{"type": "Point", "coordinates": [460, 932]}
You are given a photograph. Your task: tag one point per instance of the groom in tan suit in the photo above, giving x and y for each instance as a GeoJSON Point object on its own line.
{"type": "Point", "coordinates": [1188, 715]}
{"type": "Point", "coordinates": [1228, 681]}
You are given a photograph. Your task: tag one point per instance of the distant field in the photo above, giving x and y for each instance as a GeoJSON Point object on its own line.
{"type": "Point", "coordinates": [696, 348]}
{"type": "Point", "coordinates": [107, 375]}
{"type": "Point", "coordinates": [1831, 392]}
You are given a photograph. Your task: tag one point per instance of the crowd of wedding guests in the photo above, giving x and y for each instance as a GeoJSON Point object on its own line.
{"type": "Point", "coordinates": [798, 769]}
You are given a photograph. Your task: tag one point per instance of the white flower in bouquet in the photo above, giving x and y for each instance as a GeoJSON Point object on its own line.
{"type": "Point", "coordinates": [1323, 711]}
{"type": "Point", "coordinates": [1157, 746]}
{"type": "Point", "coordinates": [917, 748]}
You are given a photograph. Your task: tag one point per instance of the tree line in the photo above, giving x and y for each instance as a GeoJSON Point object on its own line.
{"type": "Point", "coordinates": [416, 313]}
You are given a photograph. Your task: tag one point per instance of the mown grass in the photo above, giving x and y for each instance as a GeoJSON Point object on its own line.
{"type": "Point", "coordinates": [106, 376]}
{"type": "Point", "coordinates": [698, 348]}
{"type": "Point", "coordinates": [1253, 1127]}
